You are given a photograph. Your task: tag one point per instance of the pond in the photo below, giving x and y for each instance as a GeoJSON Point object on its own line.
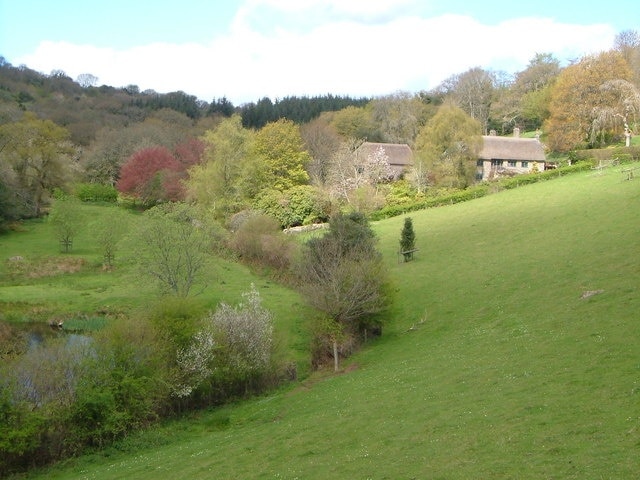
{"type": "Point", "coordinates": [17, 337]}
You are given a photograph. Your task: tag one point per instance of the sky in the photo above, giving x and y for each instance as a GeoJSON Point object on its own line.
{"type": "Point", "coordinates": [245, 50]}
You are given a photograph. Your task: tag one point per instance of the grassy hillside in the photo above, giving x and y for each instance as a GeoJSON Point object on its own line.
{"type": "Point", "coordinates": [512, 352]}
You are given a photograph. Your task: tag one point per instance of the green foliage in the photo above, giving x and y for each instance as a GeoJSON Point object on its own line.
{"type": "Point", "coordinates": [278, 159]}
{"type": "Point", "coordinates": [449, 143]}
{"type": "Point", "coordinates": [244, 334]}
{"type": "Point", "coordinates": [176, 319]}
{"type": "Point", "coordinates": [621, 154]}
{"type": "Point", "coordinates": [108, 231]}
{"type": "Point", "coordinates": [343, 275]}
{"type": "Point", "coordinates": [21, 431]}
{"type": "Point", "coordinates": [260, 241]}
{"type": "Point", "coordinates": [38, 154]}
{"type": "Point", "coordinates": [173, 248]}
{"type": "Point", "coordinates": [407, 236]}
{"type": "Point", "coordinates": [300, 205]}
{"type": "Point", "coordinates": [10, 208]}
{"type": "Point", "coordinates": [448, 197]}
{"type": "Point", "coordinates": [67, 219]}
{"type": "Point", "coordinates": [356, 122]}
{"type": "Point", "coordinates": [216, 182]}
{"type": "Point", "coordinates": [96, 192]}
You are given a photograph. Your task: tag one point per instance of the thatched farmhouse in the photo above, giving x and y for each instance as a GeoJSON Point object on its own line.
{"type": "Point", "coordinates": [507, 156]}
{"type": "Point", "coordinates": [399, 155]}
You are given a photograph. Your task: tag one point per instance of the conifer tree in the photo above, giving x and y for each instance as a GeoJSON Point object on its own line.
{"type": "Point", "coordinates": [407, 239]}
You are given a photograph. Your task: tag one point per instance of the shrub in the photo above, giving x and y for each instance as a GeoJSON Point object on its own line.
{"type": "Point", "coordinates": [96, 192]}
{"type": "Point", "coordinates": [21, 434]}
{"type": "Point", "coordinates": [299, 205]}
{"type": "Point", "coordinates": [343, 275]}
{"type": "Point", "coordinates": [260, 241]}
{"type": "Point", "coordinates": [407, 238]}
{"type": "Point", "coordinates": [244, 346]}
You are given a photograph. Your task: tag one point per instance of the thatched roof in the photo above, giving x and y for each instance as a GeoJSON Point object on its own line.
{"type": "Point", "coordinates": [400, 155]}
{"type": "Point", "coordinates": [511, 148]}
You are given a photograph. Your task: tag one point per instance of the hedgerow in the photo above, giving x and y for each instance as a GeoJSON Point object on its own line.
{"type": "Point", "coordinates": [481, 190]}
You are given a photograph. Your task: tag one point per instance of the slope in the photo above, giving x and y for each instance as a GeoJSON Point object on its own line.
{"type": "Point", "coordinates": [512, 353]}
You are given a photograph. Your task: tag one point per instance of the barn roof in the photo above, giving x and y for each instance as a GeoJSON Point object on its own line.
{"type": "Point", "coordinates": [399, 153]}
{"type": "Point", "coordinates": [511, 148]}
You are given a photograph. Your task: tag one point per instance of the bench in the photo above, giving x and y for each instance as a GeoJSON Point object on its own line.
{"type": "Point", "coordinates": [628, 172]}
{"type": "Point", "coordinates": [407, 254]}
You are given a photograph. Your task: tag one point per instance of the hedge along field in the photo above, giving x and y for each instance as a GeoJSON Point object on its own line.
{"type": "Point", "coordinates": [512, 352]}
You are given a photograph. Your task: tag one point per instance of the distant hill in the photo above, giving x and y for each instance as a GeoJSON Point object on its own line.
{"type": "Point", "coordinates": [84, 109]}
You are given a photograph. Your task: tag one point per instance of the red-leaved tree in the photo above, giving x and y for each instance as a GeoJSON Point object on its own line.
{"type": "Point", "coordinates": [152, 175]}
{"type": "Point", "coordinates": [189, 152]}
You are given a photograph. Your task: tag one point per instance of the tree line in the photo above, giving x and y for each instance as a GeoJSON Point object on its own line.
{"type": "Point", "coordinates": [155, 147]}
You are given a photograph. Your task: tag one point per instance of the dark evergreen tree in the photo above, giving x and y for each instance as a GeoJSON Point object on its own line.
{"type": "Point", "coordinates": [221, 106]}
{"type": "Point", "coordinates": [407, 239]}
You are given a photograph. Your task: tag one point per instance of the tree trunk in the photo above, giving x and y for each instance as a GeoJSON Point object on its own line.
{"type": "Point", "coordinates": [336, 358]}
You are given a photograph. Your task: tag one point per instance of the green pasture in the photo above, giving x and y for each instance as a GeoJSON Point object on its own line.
{"type": "Point", "coordinates": [511, 351]}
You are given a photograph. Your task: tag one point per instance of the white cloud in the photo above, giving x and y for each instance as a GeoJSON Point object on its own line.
{"type": "Point", "coordinates": [343, 55]}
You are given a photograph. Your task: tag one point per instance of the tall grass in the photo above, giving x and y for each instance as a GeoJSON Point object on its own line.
{"type": "Point", "coordinates": [511, 352]}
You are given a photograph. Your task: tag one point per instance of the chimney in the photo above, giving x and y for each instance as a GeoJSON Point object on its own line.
{"type": "Point", "coordinates": [516, 132]}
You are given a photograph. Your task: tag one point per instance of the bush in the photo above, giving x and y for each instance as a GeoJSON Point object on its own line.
{"type": "Point", "coordinates": [260, 241]}
{"type": "Point", "coordinates": [622, 154]}
{"type": "Point", "coordinates": [447, 198]}
{"type": "Point", "coordinates": [297, 206]}
{"type": "Point", "coordinates": [245, 336]}
{"type": "Point", "coordinates": [342, 274]}
{"type": "Point", "coordinates": [21, 434]}
{"type": "Point", "coordinates": [96, 192]}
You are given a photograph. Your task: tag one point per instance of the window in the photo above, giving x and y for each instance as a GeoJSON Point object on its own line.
{"type": "Point", "coordinates": [525, 164]}
{"type": "Point", "coordinates": [512, 163]}
{"type": "Point", "coordinates": [496, 163]}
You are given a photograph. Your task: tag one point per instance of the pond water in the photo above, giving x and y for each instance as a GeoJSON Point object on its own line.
{"type": "Point", "coordinates": [35, 334]}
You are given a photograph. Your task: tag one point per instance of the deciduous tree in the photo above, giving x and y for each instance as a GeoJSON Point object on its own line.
{"type": "Point", "coordinates": [109, 231]}
{"type": "Point", "coordinates": [278, 159]}
{"type": "Point", "coordinates": [41, 157]}
{"type": "Point", "coordinates": [172, 248]}
{"type": "Point", "coordinates": [449, 144]}
{"type": "Point", "coordinates": [215, 183]}
{"type": "Point", "coordinates": [577, 94]}
{"type": "Point", "coordinates": [356, 122]}
{"type": "Point", "coordinates": [321, 141]}
{"type": "Point", "coordinates": [618, 114]}
{"type": "Point", "coordinates": [245, 336]}
{"type": "Point", "coordinates": [473, 92]}
{"type": "Point", "coordinates": [399, 116]}
{"type": "Point", "coordinates": [355, 172]}
{"type": "Point", "coordinates": [150, 175]}
{"type": "Point", "coordinates": [525, 102]}
{"type": "Point", "coordinates": [342, 273]}
{"type": "Point", "coordinates": [67, 219]}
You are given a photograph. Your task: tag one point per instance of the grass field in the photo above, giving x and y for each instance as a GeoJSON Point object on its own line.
{"type": "Point", "coordinates": [512, 351]}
